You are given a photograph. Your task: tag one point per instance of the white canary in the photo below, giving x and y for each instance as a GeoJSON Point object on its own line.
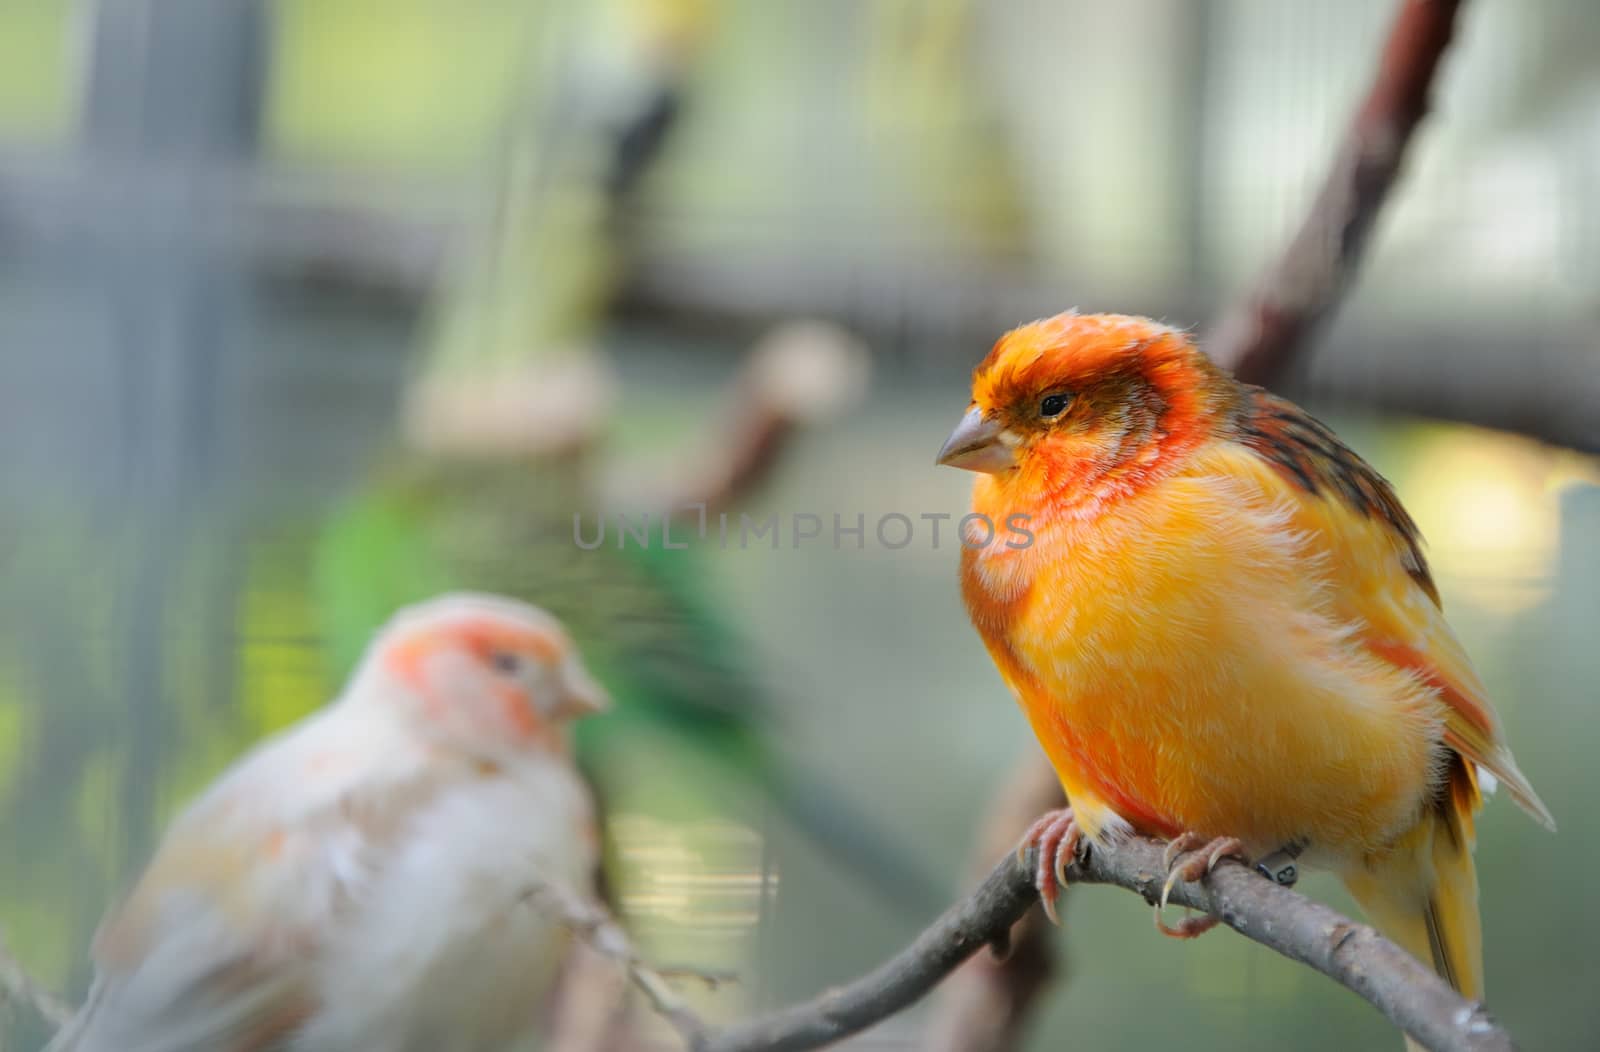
{"type": "Point", "coordinates": [361, 880]}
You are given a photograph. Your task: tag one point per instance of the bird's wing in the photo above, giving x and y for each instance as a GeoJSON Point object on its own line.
{"type": "Point", "coordinates": [198, 957]}
{"type": "Point", "coordinates": [1353, 516]}
{"type": "Point", "coordinates": [216, 947]}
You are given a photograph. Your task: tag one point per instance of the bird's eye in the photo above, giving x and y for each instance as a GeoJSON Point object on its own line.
{"type": "Point", "coordinates": [1053, 405]}
{"type": "Point", "coordinates": [506, 662]}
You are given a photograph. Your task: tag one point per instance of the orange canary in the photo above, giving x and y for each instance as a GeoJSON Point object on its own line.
{"type": "Point", "coordinates": [1223, 631]}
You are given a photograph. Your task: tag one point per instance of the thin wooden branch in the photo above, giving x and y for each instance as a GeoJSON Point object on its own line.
{"type": "Point", "coordinates": [985, 1007]}
{"type": "Point", "coordinates": [981, 919]}
{"type": "Point", "coordinates": [1260, 334]}
{"type": "Point", "coordinates": [18, 986]}
{"type": "Point", "coordinates": [592, 923]}
{"type": "Point", "coordinates": [1354, 955]}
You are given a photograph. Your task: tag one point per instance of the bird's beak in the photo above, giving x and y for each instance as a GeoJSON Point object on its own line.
{"type": "Point", "coordinates": [584, 696]}
{"type": "Point", "coordinates": [976, 445]}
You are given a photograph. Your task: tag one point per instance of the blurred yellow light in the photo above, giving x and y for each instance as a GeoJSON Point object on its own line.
{"type": "Point", "coordinates": [1491, 518]}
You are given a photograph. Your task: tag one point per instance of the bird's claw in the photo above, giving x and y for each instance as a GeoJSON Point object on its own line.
{"type": "Point", "coordinates": [1058, 839]}
{"type": "Point", "coordinates": [1178, 845]}
{"type": "Point", "coordinates": [1190, 857]}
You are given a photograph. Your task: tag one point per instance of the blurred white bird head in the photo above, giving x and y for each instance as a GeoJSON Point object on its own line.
{"type": "Point", "coordinates": [478, 672]}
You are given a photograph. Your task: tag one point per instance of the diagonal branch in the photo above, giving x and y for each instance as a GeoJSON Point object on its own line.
{"type": "Point", "coordinates": [18, 986]}
{"type": "Point", "coordinates": [1354, 955]}
{"type": "Point", "coordinates": [987, 1006]}
{"type": "Point", "coordinates": [592, 923]}
{"type": "Point", "coordinates": [1258, 336]}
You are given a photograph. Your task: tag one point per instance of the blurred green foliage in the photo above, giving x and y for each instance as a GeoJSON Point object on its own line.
{"type": "Point", "coordinates": [36, 75]}
{"type": "Point", "coordinates": [414, 82]}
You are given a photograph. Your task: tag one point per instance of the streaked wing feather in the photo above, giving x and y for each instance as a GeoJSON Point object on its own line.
{"type": "Point", "coordinates": [1308, 454]}
{"type": "Point", "coordinates": [1367, 531]}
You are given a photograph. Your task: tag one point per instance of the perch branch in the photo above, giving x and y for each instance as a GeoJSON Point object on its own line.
{"type": "Point", "coordinates": [591, 922]}
{"type": "Point", "coordinates": [1260, 334]}
{"type": "Point", "coordinates": [1354, 955]}
{"type": "Point", "coordinates": [985, 1007]}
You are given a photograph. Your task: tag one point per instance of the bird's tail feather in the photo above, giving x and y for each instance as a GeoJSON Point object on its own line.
{"type": "Point", "coordinates": [1424, 893]}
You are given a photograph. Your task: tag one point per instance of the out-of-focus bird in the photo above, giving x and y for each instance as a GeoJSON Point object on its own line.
{"type": "Point", "coordinates": [1220, 624]}
{"type": "Point", "coordinates": [500, 517]}
{"type": "Point", "coordinates": [364, 879]}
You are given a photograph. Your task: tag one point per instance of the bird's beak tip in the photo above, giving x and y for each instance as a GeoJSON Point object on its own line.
{"type": "Point", "coordinates": [585, 697]}
{"type": "Point", "coordinates": [976, 445]}
{"type": "Point", "coordinates": [595, 702]}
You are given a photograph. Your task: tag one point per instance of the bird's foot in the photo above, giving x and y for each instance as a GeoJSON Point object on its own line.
{"type": "Point", "coordinates": [1058, 839]}
{"type": "Point", "coordinates": [1190, 857]}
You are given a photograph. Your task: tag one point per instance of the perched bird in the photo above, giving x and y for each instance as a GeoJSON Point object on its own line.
{"type": "Point", "coordinates": [367, 879]}
{"type": "Point", "coordinates": [1221, 627]}
{"type": "Point", "coordinates": [454, 515]}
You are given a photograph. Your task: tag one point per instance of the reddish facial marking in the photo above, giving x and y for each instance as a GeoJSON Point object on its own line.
{"type": "Point", "coordinates": [516, 710]}
{"type": "Point", "coordinates": [486, 636]}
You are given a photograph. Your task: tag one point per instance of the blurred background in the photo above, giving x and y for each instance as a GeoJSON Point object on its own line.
{"type": "Point", "coordinates": [309, 308]}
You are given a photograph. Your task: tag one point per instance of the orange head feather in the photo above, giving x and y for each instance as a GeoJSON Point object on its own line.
{"type": "Point", "coordinates": [1079, 407]}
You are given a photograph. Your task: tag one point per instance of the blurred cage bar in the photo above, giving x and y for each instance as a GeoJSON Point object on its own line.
{"type": "Point", "coordinates": [930, 171]}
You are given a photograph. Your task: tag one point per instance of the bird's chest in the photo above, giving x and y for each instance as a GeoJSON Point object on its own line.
{"type": "Point", "coordinates": [1126, 641]}
{"type": "Point", "coordinates": [1075, 621]}
{"type": "Point", "coordinates": [1122, 603]}
{"type": "Point", "coordinates": [457, 943]}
